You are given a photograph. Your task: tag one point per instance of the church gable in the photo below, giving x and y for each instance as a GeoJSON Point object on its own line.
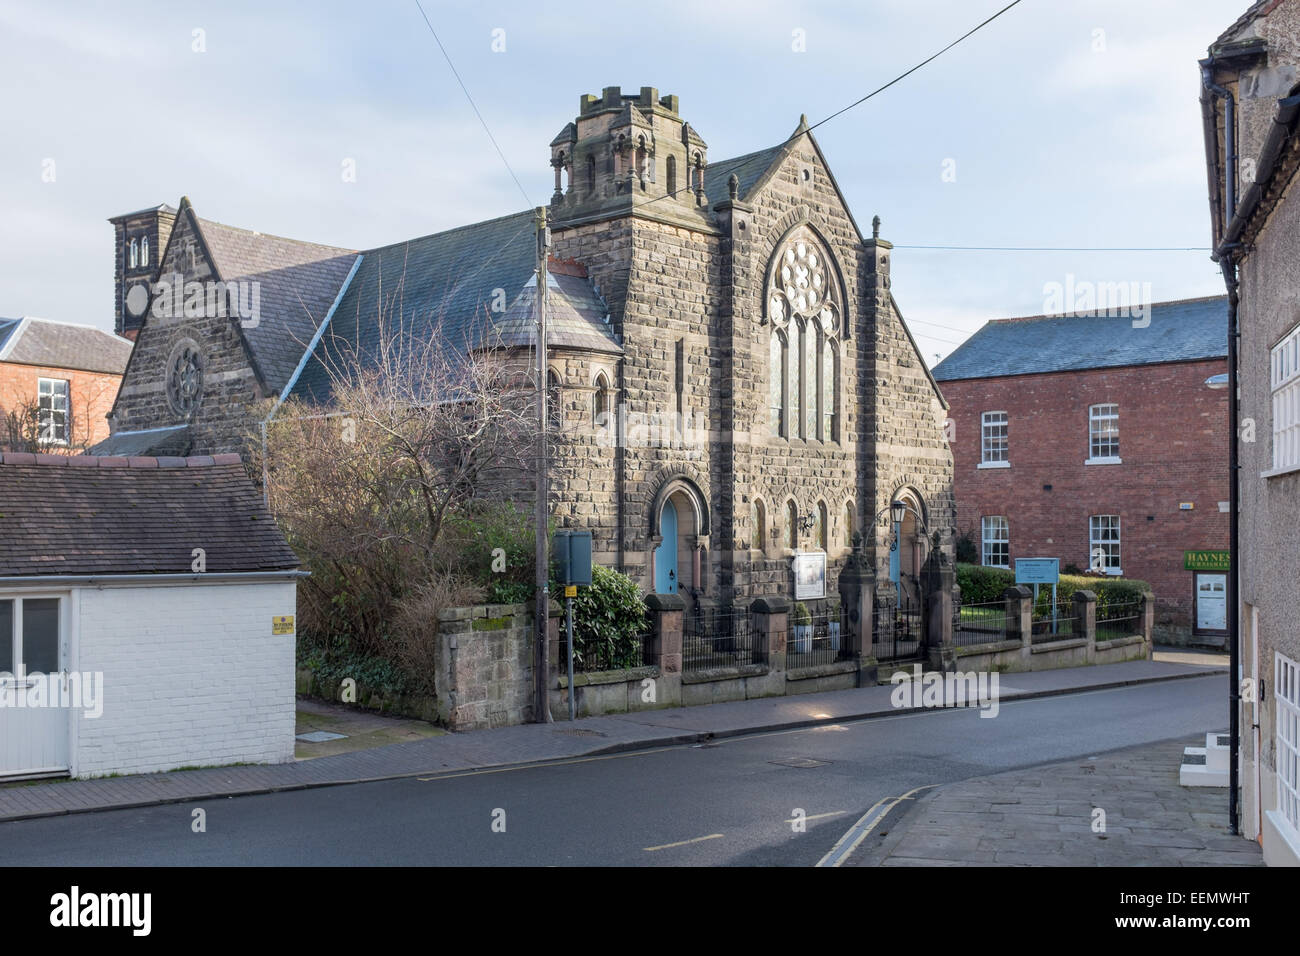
{"type": "Point", "coordinates": [188, 368]}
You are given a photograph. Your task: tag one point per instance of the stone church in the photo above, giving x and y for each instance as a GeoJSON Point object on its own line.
{"type": "Point", "coordinates": [736, 384]}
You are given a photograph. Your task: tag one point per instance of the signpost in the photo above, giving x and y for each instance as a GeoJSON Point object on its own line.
{"type": "Point", "coordinates": [573, 556]}
{"type": "Point", "coordinates": [1038, 571]}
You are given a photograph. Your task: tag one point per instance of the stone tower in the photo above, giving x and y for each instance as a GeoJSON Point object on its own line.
{"type": "Point", "coordinates": [139, 240]}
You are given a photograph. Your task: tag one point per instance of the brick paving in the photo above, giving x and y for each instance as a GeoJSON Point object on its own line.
{"type": "Point", "coordinates": [1044, 816]}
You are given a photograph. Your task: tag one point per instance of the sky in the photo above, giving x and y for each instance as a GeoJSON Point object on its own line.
{"type": "Point", "coordinates": [1062, 123]}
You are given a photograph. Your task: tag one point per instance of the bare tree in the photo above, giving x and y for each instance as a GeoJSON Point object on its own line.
{"type": "Point", "coordinates": [372, 487]}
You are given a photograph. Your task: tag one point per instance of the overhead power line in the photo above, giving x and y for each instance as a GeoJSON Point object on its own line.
{"type": "Point", "coordinates": [899, 245]}
{"type": "Point", "coordinates": [523, 192]}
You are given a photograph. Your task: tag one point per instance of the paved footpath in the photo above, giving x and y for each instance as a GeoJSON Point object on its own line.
{"type": "Point", "coordinates": [539, 742]}
{"type": "Point", "coordinates": [1045, 816]}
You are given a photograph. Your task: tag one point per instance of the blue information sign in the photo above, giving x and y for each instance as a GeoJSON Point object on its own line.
{"type": "Point", "coordinates": [1038, 570]}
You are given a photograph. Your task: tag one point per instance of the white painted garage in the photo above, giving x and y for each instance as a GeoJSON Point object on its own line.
{"type": "Point", "coordinates": [146, 617]}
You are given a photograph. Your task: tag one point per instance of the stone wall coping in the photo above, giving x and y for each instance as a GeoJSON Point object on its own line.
{"type": "Point", "coordinates": [595, 678]}
{"type": "Point", "coordinates": [725, 673]}
{"type": "Point", "coordinates": [665, 602]}
{"type": "Point", "coordinates": [1059, 645]}
{"type": "Point", "coordinates": [770, 605]}
{"type": "Point", "coordinates": [823, 670]}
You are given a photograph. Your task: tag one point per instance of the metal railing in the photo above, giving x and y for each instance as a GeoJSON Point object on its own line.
{"type": "Point", "coordinates": [823, 640]}
{"type": "Point", "coordinates": [895, 629]}
{"type": "Point", "coordinates": [1121, 619]}
{"type": "Point", "coordinates": [591, 655]}
{"type": "Point", "coordinates": [1059, 626]}
{"type": "Point", "coordinates": [723, 637]}
{"type": "Point", "coordinates": [981, 623]}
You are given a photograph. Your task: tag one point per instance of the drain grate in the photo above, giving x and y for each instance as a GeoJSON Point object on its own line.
{"type": "Point", "coordinates": [802, 763]}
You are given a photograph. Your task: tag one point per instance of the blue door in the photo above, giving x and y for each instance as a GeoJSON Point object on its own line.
{"type": "Point", "coordinates": [666, 553]}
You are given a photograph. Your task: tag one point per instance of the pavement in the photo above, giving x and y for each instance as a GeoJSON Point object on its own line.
{"type": "Point", "coordinates": [1124, 808]}
{"type": "Point", "coordinates": [539, 743]}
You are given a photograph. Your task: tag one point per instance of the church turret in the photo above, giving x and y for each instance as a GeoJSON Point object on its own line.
{"type": "Point", "coordinates": [624, 151]}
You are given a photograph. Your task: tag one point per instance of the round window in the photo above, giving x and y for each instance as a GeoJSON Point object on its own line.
{"type": "Point", "coordinates": [185, 377]}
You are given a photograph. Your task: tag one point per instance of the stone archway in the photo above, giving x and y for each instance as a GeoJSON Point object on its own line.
{"type": "Point", "coordinates": [679, 541]}
{"type": "Point", "coordinates": [912, 542]}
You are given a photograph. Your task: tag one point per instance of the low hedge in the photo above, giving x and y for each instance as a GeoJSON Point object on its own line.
{"type": "Point", "coordinates": [981, 585]}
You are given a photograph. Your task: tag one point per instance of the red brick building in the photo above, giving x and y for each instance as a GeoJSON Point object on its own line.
{"type": "Point", "coordinates": [57, 384]}
{"type": "Point", "coordinates": [1096, 440]}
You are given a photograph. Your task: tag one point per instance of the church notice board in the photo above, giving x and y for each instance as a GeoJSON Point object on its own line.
{"type": "Point", "coordinates": [809, 575]}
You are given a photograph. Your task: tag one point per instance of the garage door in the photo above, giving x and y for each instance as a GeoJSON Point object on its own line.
{"type": "Point", "coordinates": [33, 685]}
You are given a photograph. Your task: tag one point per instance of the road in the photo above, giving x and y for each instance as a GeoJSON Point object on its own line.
{"type": "Point", "coordinates": [729, 802]}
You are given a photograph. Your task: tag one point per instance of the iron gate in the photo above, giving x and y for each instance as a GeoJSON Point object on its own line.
{"type": "Point", "coordinates": [896, 629]}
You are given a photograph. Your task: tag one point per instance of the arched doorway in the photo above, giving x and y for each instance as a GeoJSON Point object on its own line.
{"type": "Point", "coordinates": [666, 581]}
{"type": "Point", "coordinates": [911, 544]}
{"type": "Point", "coordinates": [680, 540]}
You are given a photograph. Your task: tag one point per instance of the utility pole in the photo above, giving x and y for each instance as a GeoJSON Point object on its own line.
{"type": "Point", "coordinates": [541, 658]}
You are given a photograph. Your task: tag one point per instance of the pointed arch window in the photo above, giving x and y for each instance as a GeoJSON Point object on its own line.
{"type": "Point", "coordinates": [133, 258]}
{"type": "Point", "coordinates": [591, 174]}
{"type": "Point", "coordinates": [554, 413]}
{"type": "Point", "coordinates": [819, 530]}
{"type": "Point", "coordinates": [672, 175]}
{"type": "Point", "coordinates": [600, 402]}
{"type": "Point", "coordinates": [848, 525]}
{"type": "Point", "coordinates": [791, 525]}
{"type": "Point", "coordinates": [144, 251]}
{"type": "Point", "coordinates": [811, 346]}
{"type": "Point", "coordinates": [760, 526]}
{"type": "Point", "coordinates": [803, 305]}
{"type": "Point", "coordinates": [830, 389]}
{"type": "Point", "coordinates": [776, 382]}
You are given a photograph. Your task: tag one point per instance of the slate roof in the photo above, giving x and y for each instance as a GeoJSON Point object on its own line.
{"type": "Point", "coordinates": [174, 440]}
{"type": "Point", "coordinates": [748, 169]}
{"type": "Point", "coordinates": [576, 317]}
{"type": "Point", "coordinates": [81, 515]}
{"type": "Point", "coordinates": [443, 283]}
{"type": "Point", "coordinates": [298, 282]}
{"type": "Point", "coordinates": [1178, 332]}
{"type": "Point", "coordinates": [31, 341]}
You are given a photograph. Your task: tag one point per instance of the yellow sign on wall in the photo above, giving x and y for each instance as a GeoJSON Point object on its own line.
{"type": "Point", "coordinates": [282, 624]}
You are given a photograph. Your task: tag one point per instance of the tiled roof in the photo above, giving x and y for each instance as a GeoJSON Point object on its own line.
{"type": "Point", "coordinates": [31, 341]}
{"type": "Point", "coordinates": [1178, 332]}
{"type": "Point", "coordinates": [175, 440]}
{"type": "Point", "coordinates": [298, 282]}
{"type": "Point", "coordinates": [576, 317]}
{"type": "Point", "coordinates": [1256, 9]}
{"type": "Point", "coordinates": [748, 169]}
{"type": "Point", "coordinates": [445, 282]}
{"type": "Point", "coordinates": [81, 515]}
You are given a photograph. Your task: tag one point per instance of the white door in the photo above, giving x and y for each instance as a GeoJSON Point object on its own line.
{"type": "Point", "coordinates": [1212, 602]}
{"type": "Point", "coordinates": [33, 685]}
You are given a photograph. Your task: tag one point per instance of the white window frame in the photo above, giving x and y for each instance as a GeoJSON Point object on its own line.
{"type": "Point", "coordinates": [1096, 540]}
{"type": "Point", "coordinates": [41, 394]}
{"type": "Point", "coordinates": [1286, 693]}
{"type": "Point", "coordinates": [986, 525]}
{"type": "Point", "coordinates": [989, 422]}
{"type": "Point", "coordinates": [1284, 385]}
{"type": "Point", "coordinates": [1095, 417]}
{"type": "Point", "coordinates": [24, 679]}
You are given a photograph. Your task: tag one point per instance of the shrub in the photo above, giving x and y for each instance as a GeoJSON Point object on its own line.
{"type": "Point", "coordinates": [981, 585]}
{"type": "Point", "coordinates": [609, 619]}
{"type": "Point", "coordinates": [801, 616]}
{"type": "Point", "coordinates": [967, 551]}
{"type": "Point", "coordinates": [415, 626]}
